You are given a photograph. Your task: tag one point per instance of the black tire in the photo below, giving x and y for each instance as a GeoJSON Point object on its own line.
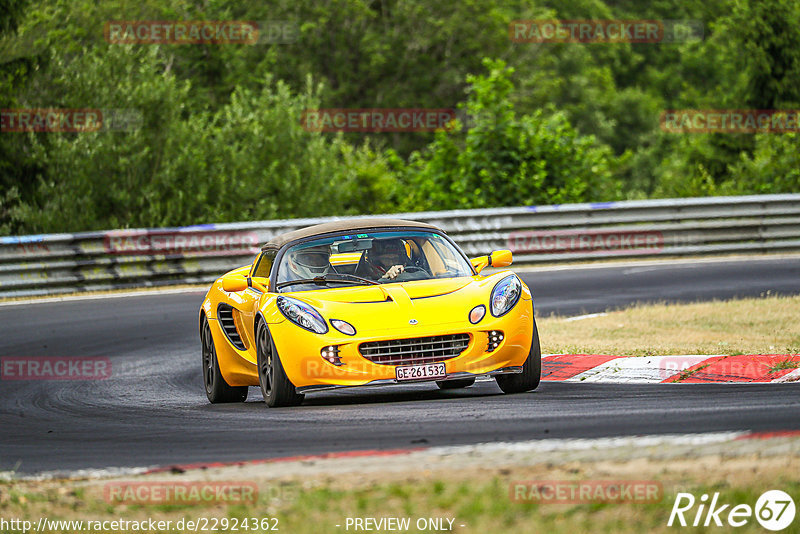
{"type": "Point", "coordinates": [531, 373]}
{"type": "Point", "coordinates": [275, 385]}
{"type": "Point", "coordinates": [217, 390]}
{"type": "Point", "coordinates": [455, 384]}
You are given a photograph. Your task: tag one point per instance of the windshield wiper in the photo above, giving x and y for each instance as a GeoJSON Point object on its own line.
{"type": "Point", "coordinates": [324, 280]}
{"type": "Point", "coordinates": [360, 279]}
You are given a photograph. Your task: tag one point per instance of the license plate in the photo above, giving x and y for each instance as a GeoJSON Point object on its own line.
{"type": "Point", "coordinates": [430, 371]}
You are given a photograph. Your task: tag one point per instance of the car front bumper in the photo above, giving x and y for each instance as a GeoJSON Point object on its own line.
{"type": "Point", "coordinates": [300, 351]}
{"type": "Point", "coordinates": [391, 381]}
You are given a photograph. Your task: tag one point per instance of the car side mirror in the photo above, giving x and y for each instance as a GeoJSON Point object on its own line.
{"type": "Point", "coordinates": [501, 258]}
{"type": "Point", "coordinates": [262, 284]}
{"type": "Point", "coordinates": [234, 282]}
{"type": "Point", "coordinates": [498, 258]}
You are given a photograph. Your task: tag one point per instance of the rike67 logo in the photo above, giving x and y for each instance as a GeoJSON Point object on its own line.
{"type": "Point", "coordinates": [774, 510]}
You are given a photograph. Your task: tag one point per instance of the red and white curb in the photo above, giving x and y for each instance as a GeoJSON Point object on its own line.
{"type": "Point", "coordinates": [763, 368]}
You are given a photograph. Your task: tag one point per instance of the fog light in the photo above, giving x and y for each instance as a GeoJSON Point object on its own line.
{"type": "Point", "coordinates": [495, 338]}
{"type": "Point", "coordinates": [331, 354]}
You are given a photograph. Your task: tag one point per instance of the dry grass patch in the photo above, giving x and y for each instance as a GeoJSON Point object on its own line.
{"type": "Point", "coordinates": [477, 498]}
{"type": "Point", "coordinates": [747, 326]}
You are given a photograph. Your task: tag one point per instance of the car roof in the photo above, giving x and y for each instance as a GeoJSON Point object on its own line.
{"type": "Point", "coordinates": [343, 226]}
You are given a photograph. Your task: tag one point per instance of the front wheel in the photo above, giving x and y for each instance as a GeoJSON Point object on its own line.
{"type": "Point", "coordinates": [276, 387]}
{"type": "Point", "coordinates": [531, 373]}
{"type": "Point", "coordinates": [217, 390]}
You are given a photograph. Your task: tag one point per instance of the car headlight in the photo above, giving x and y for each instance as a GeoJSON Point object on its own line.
{"type": "Point", "coordinates": [505, 295]}
{"type": "Point", "coordinates": [302, 314]}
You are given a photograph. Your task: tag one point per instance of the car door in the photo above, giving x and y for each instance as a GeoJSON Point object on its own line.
{"type": "Point", "coordinates": [250, 303]}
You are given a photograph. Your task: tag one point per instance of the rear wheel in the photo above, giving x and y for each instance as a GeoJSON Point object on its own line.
{"type": "Point", "coordinates": [217, 390]}
{"type": "Point", "coordinates": [531, 373]}
{"type": "Point", "coordinates": [455, 384]}
{"type": "Point", "coordinates": [275, 385]}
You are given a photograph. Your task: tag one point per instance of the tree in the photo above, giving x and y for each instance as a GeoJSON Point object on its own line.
{"type": "Point", "coordinates": [15, 160]}
{"type": "Point", "coordinates": [506, 160]}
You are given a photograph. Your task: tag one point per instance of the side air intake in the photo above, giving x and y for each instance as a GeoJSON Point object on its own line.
{"type": "Point", "coordinates": [228, 324]}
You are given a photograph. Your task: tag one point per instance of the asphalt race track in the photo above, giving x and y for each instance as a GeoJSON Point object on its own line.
{"type": "Point", "coordinates": [153, 411]}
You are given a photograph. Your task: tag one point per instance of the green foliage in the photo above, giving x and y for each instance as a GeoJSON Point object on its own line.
{"type": "Point", "coordinates": [16, 164]}
{"type": "Point", "coordinates": [504, 159]}
{"type": "Point", "coordinates": [749, 60]}
{"type": "Point", "coordinates": [767, 50]}
{"type": "Point", "coordinates": [220, 137]}
{"type": "Point", "coordinates": [251, 159]}
{"type": "Point", "coordinates": [774, 167]}
{"type": "Point", "coordinates": [10, 14]}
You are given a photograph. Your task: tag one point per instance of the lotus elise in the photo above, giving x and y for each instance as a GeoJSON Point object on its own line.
{"type": "Point", "coordinates": [366, 302]}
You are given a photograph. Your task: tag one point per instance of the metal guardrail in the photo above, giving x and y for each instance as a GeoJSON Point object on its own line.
{"type": "Point", "coordinates": [59, 263]}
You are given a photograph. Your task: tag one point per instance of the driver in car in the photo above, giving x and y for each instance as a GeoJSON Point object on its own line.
{"type": "Point", "coordinates": [311, 262]}
{"type": "Point", "coordinates": [385, 260]}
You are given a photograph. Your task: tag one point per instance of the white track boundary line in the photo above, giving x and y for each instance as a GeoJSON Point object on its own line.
{"type": "Point", "coordinates": [640, 369]}
{"type": "Point", "coordinates": [794, 376]}
{"type": "Point", "coordinates": [144, 292]}
{"type": "Point", "coordinates": [582, 317]}
{"type": "Point", "coordinates": [605, 264]}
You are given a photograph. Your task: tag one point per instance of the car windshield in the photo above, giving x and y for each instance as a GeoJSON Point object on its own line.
{"type": "Point", "coordinates": [369, 258]}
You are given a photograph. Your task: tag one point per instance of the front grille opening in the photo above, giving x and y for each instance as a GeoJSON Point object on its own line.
{"type": "Point", "coordinates": [228, 324]}
{"type": "Point", "coordinates": [415, 351]}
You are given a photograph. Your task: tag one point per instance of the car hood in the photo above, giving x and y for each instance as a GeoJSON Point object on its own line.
{"type": "Point", "coordinates": [383, 292]}
{"type": "Point", "coordinates": [374, 309]}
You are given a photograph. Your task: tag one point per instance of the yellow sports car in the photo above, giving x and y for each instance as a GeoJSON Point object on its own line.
{"type": "Point", "coordinates": [366, 302]}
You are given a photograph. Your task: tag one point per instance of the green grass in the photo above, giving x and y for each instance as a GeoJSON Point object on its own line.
{"type": "Point", "coordinates": [788, 363]}
{"type": "Point", "coordinates": [478, 505]}
{"type": "Point", "coordinates": [747, 326]}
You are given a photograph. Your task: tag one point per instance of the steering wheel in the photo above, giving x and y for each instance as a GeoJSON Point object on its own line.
{"type": "Point", "coordinates": [409, 274]}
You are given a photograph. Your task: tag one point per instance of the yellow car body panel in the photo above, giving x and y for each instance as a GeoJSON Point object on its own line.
{"type": "Point", "coordinates": [438, 307]}
{"type": "Point", "coordinates": [383, 312]}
